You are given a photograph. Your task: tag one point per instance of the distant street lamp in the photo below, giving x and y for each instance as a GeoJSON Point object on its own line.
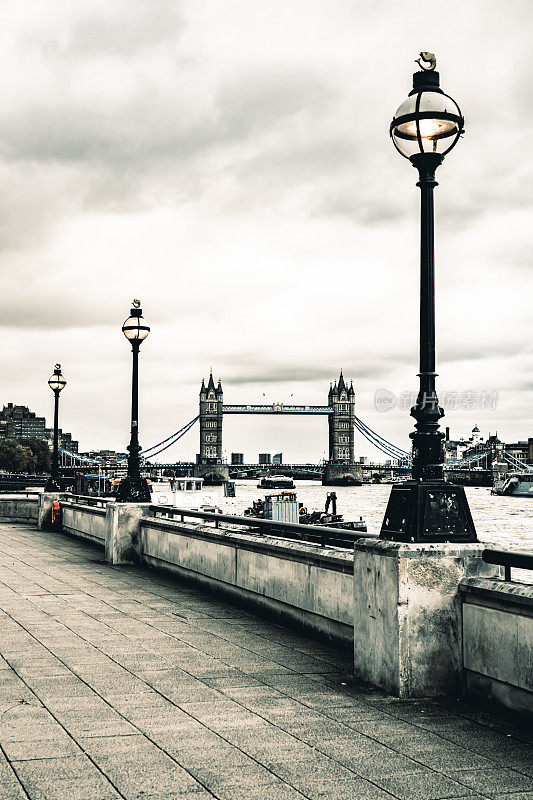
{"type": "Point", "coordinates": [56, 383]}
{"type": "Point", "coordinates": [134, 488]}
{"type": "Point", "coordinates": [427, 508]}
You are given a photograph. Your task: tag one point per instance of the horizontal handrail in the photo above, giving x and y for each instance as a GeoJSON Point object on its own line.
{"type": "Point", "coordinates": [89, 500]}
{"type": "Point", "coordinates": [17, 493]}
{"type": "Point", "coordinates": [507, 559]}
{"type": "Point", "coordinates": [307, 533]}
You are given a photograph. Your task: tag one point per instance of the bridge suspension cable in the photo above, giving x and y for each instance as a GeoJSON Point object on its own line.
{"type": "Point", "coordinates": [515, 462]}
{"type": "Point", "coordinates": [77, 457]}
{"type": "Point", "coordinates": [456, 462]}
{"type": "Point", "coordinates": [382, 444]}
{"type": "Point", "coordinates": [172, 435]}
{"type": "Point", "coordinates": [156, 449]}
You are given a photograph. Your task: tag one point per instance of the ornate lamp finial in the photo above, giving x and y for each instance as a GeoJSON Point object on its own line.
{"type": "Point", "coordinates": [136, 304]}
{"type": "Point", "coordinates": [429, 59]}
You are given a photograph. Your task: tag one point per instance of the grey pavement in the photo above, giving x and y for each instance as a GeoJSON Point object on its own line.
{"type": "Point", "coordinates": [123, 683]}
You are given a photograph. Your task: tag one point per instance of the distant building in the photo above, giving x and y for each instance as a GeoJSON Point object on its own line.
{"type": "Point", "coordinates": [237, 458]}
{"type": "Point", "coordinates": [277, 459]}
{"type": "Point", "coordinates": [456, 449]}
{"type": "Point", "coordinates": [341, 400]}
{"type": "Point", "coordinates": [520, 451]}
{"type": "Point", "coordinates": [492, 447]}
{"type": "Point", "coordinates": [105, 455]}
{"type": "Point", "coordinates": [18, 422]}
{"type": "Point", "coordinates": [265, 458]}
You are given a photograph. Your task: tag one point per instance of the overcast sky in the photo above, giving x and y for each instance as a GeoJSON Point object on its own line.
{"type": "Point", "coordinates": [228, 163]}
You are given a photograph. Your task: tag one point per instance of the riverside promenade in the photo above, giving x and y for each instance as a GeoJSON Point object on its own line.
{"type": "Point", "coordinates": [119, 682]}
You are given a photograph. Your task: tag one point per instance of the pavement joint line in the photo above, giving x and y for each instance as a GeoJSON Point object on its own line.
{"type": "Point", "coordinates": [144, 575]}
{"type": "Point", "coordinates": [107, 703]}
{"type": "Point", "coordinates": [57, 721]}
{"type": "Point", "coordinates": [162, 749]}
{"type": "Point", "coordinates": [128, 614]}
{"type": "Point", "coordinates": [176, 637]}
{"type": "Point", "coordinates": [13, 770]}
{"type": "Point", "coordinates": [177, 706]}
{"type": "Point", "coordinates": [278, 726]}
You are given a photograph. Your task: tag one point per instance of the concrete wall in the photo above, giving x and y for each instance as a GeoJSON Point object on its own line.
{"type": "Point", "coordinates": [302, 583]}
{"type": "Point", "coordinates": [498, 643]}
{"type": "Point", "coordinates": [85, 522]}
{"type": "Point", "coordinates": [407, 614]}
{"type": "Point", "coordinates": [16, 509]}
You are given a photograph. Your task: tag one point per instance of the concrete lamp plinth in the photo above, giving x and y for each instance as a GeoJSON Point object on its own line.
{"type": "Point", "coordinates": [407, 614]}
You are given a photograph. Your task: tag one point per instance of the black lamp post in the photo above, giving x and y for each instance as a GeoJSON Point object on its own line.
{"type": "Point", "coordinates": [56, 383]}
{"type": "Point", "coordinates": [134, 488]}
{"type": "Point", "coordinates": [427, 508]}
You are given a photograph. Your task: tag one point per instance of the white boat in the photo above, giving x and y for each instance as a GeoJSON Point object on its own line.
{"type": "Point", "coordinates": [182, 493]}
{"type": "Point", "coordinates": [515, 484]}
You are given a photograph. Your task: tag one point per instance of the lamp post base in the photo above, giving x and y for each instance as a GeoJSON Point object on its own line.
{"type": "Point", "coordinates": [133, 490]}
{"type": "Point", "coordinates": [428, 511]}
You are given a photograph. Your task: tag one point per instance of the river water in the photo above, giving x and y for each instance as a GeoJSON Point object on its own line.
{"type": "Point", "coordinates": [505, 522]}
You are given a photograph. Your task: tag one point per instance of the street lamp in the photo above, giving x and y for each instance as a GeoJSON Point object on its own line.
{"type": "Point", "coordinates": [424, 129]}
{"type": "Point", "coordinates": [134, 488]}
{"type": "Point", "coordinates": [56, 382]}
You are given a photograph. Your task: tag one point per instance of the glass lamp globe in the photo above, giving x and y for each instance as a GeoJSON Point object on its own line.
{"type": "Point", "coordinates": [56, 382]}
{"type": "Point", "coordinates": [133, 328]}
{"type": "Point", "coordinates": [428, 121]}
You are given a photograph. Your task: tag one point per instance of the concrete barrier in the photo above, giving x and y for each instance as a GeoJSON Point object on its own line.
{"type": "Point", "coordinates": [19, 509]}
{"type": "Point", "coordinates": [298, 582]}
{"type": "Point", "coordinates": [84, 521]}
{"type": "Point", "coordinates": [407, 614]}
{"type": "Point", "coordinates": [498, 643]}
{"type": "Point", "coordinates": [416, 615]}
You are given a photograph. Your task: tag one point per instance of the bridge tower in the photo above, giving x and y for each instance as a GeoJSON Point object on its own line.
{"type": "Point", "coordinates": [341, 422]}
{"type": "Point", "coordinates": [211, 400]}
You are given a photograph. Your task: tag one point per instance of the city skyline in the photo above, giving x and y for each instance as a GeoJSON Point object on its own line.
{"type": "Point", "coordinates": [231, 167]}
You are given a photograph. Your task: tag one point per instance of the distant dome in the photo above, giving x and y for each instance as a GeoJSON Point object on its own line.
{"type": "Point", "coordinates": [475, 429]}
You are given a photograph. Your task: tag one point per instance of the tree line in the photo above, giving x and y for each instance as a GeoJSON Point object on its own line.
{"type": "Point", "coordinates": [28, 455]}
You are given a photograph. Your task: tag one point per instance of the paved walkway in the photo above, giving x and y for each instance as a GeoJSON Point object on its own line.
{"type": "Point", "coordinates": [121, 683]}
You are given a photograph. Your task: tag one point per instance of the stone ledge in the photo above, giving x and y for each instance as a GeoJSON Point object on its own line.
{"type": "Point", "coordinates": [307, 553]}
{"type": "Point", "coordinates": [86, 509]}
{"type": "Point", "coordinates": [391, 549]}
{"type": "Point", "coordinates": [506, 592]}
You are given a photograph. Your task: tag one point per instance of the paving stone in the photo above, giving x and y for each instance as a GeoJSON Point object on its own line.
{"type": "Point", "coordinates": [495, 780]}
{"type": "Point", "coordinates": [75, 778]}
{"type": "Point", "coordinates": [146, 772]}
{"type": "Point", "coordinates": [10, 785]}
{"type": "Point", "coordinates": [41, 748]}
{"type": "Point", "coordinates": [254, 711]}
{"type": "Point", "coordinates": [353, 788]}
{"type": "Point", "coordinates": [421, 786]}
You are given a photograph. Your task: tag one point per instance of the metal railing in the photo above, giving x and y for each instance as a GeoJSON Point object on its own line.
{"type": "Point", "coordinates": [89, 500]}
{"type": "Point", "coordinates": [314, 534]}
{"type": "Point", "coordinates": [19, 493]}
{"type": "Point", "coordinates": [508, 560]}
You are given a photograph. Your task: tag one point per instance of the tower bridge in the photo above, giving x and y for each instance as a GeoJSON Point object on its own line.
{"type": "Point", "coordinates": [340, 411]}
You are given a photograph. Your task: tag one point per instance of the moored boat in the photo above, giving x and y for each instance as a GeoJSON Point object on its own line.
{"type": "Point", "coordinates": [515, 484]}
{"type": "Point", "coordinates": [182, 493]}
{"type": "Point", "coordinates": [276, 482]}
{"type": "Point", "coordinates": [284, 507]}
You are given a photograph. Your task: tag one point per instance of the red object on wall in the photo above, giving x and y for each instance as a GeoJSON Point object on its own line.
{"type": "Point", "coordinates": [56, 512]}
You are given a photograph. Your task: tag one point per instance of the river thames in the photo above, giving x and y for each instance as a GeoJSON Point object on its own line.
{"type": "Point", "coordinates": [507, 522]}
